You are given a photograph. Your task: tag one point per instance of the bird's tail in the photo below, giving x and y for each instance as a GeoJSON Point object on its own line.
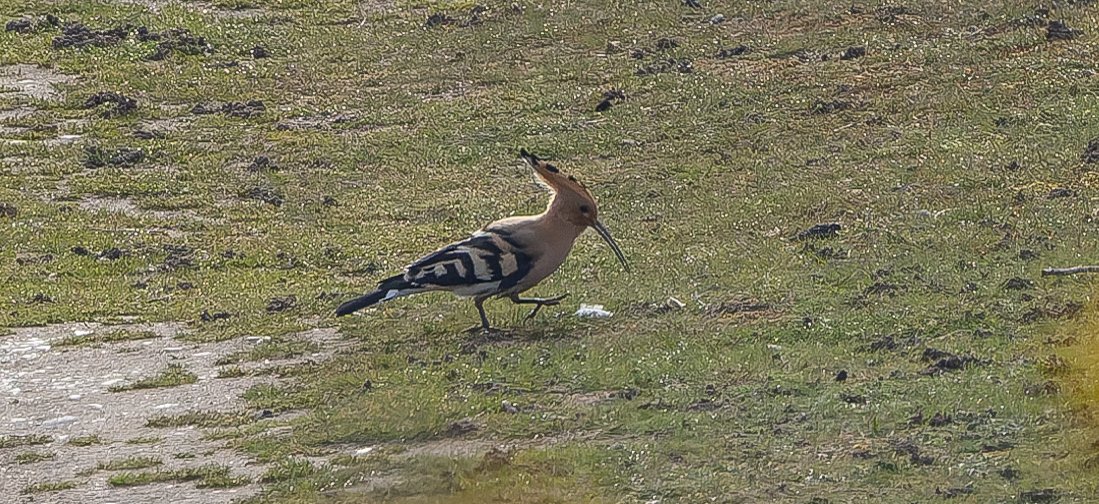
{"type": "Point", "coordinates": [390, 288]}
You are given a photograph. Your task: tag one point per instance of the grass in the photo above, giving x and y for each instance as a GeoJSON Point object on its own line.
{"type": "Point", "coordinates": [208, 476]}
{"type": "Point", "coordinates": [944, 153]}
{"type": "Point", "coordinates": [32, 457]}
{"type": "Point", "coordinates": [174, 376]}
{"type": "Point", "coordinates": [205, 419]}
{"type": "Point", "coordinates": [88, 440]}
{"type": "Point", "coordinates": [108, 337]}
{"type": "Point", "coordinates": [28, 440]}
{"type": "Point", "coordinates": [49, 486]}
{"type": "Point", "coordinates": [129, 463]}
{"type": "Point", "coordinates": [271, 350]}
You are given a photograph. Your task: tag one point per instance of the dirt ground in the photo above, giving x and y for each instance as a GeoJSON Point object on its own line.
{"type": "Point", "coordinates": [62, 393]}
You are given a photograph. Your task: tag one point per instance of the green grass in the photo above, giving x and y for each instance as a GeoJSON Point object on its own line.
{"type": "Point", "coordinates": [28, 440]}
{"type": "Point", "coordinates": [109, 337]}
{"type": "Point", "coordinates": [49, 486]}
{"type": "Point", "coordinates": [88, 440]}
{"type": "Point", "coordinates": [936, 151]}
{"type": "Point", "coordinates": [271, 350]}
{"type": "Point", "coordinates": [174, 376]}
{"type": "Point", "coordinates": [208, 476]}
{"type": "Point", "coordinates": [33, 457]}
{"type": "Point", "coordinates": [129, 463]}
{"type": "Point", "coordinates": [205, 419]}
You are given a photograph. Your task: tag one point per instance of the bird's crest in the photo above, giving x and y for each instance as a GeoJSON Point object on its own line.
{"type": "Point", "coordinates": [552, 177]}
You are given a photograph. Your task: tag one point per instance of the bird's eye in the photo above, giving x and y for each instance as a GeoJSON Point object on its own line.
{"type": "Point", "coordinates": [584, 209]}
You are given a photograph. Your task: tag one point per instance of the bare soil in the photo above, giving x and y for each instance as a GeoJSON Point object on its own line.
{"type": "Point", "coordinates": [62, 393]}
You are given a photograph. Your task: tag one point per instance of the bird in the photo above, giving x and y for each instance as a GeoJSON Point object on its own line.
{"type": "Point", "coordinates": [507, 257]}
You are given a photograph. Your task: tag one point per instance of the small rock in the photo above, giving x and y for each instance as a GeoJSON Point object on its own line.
{"type": "Point", "coordinates": [112, 254]}
{"type": "Point", "coordinates": [8, 210]}
{"type": "Point", "coordinates": [206, 316]}
{"type": "Point", "coordinates": [628, 394]}
{"type": "Point", "coordinates": [827, 107]}
{"type": "Point", "coordinates": [827, 230]}
{"type": "Point", "coordinates": [507, 407]}
{"type": "Point", "coordinates": [1091, 153]}
{"type": "Point", "coordinates": [1040, 496]}
{"type": "Point", "coordinates": [1009, 473]}
{"type": "Point", "coordinates": [262, 163]}
{"type": "Point", "coordinates": [259, 52]}
{"type": "Point", "coordinates": [694, 4]}
{"type": "Point", "coordinates": [21, 25]}
{"type": "Point", "coordinates": [853, 52]}
{"type": "Point", "coordinates": [122, 104]}
{"type": "Point", "coordinates": [739, 50]}
{"type": "Point", "coordinates": [1058, 30]}
{"type": "Point", "coordinates": [1060, 192]}
{"type": "Point", "coordinates": [262, 414]}
{"type": "Point", "coordinates": [666, 43]}
{"type": "Point", "coordinates": [717, 19]}
{"type": "Point", "coordinates": [463, 426]}
{"type": "Point", "coordinates": [438, 19]}
{"type": "Point", "coordinates": [75, 397]}
{"type": "Point", "coordinates": [282, 303]}
{"type": "Point", "coordinates": [1018, 284]}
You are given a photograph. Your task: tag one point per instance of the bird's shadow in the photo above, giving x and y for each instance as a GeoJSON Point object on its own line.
{"type": "Point", "coordinates": [498, 336]}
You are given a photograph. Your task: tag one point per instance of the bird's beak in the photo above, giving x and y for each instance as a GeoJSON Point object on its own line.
{"type": "Point", "coordinates": [606, 235]}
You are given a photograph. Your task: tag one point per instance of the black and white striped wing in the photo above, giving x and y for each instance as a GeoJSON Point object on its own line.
{"type": "Point", "coordinates": [485, 263]}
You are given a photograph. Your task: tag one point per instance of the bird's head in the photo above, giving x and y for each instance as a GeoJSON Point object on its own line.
{"type": "Point", "coordinates": [572, 201]}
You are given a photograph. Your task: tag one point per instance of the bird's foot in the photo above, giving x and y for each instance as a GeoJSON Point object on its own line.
{"type": "Point", "coordinates": [540, 302]}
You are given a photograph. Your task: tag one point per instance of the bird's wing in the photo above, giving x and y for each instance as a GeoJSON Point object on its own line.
{"type": "Point", "coordinates": [487, 257]}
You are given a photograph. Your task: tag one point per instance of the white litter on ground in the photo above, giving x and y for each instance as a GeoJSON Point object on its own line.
{"type": "Point", "coordinates": [592, 311]}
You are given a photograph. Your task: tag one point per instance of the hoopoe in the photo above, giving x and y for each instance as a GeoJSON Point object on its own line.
{"type": "Point", "coordinates": [506, 257]}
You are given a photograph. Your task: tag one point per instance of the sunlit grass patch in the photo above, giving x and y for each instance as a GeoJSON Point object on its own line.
{"type": "Point", "coordinates": [207, 476]}
{"type": "Point", "coordinates": [49, 487]}
{"type": "Point", "coordinates": [106, 337]}
{"type": "Point", "coordinates": [27, 440]}
{"type": "Point", "coordinates": [33, 457]}
{"type": "Point", "coordinates": [174, 376]}
{"type": "Point", "coordinates": [129, 463]}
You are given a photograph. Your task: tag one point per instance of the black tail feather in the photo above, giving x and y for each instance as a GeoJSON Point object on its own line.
{"type": "Point", "coordinates": [392, 283]}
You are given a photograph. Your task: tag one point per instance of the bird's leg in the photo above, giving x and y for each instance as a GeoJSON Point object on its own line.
{"type": "Point", "coordinates": [538, 302]}
{"type": "Point", "coordinates": [480, 304]}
